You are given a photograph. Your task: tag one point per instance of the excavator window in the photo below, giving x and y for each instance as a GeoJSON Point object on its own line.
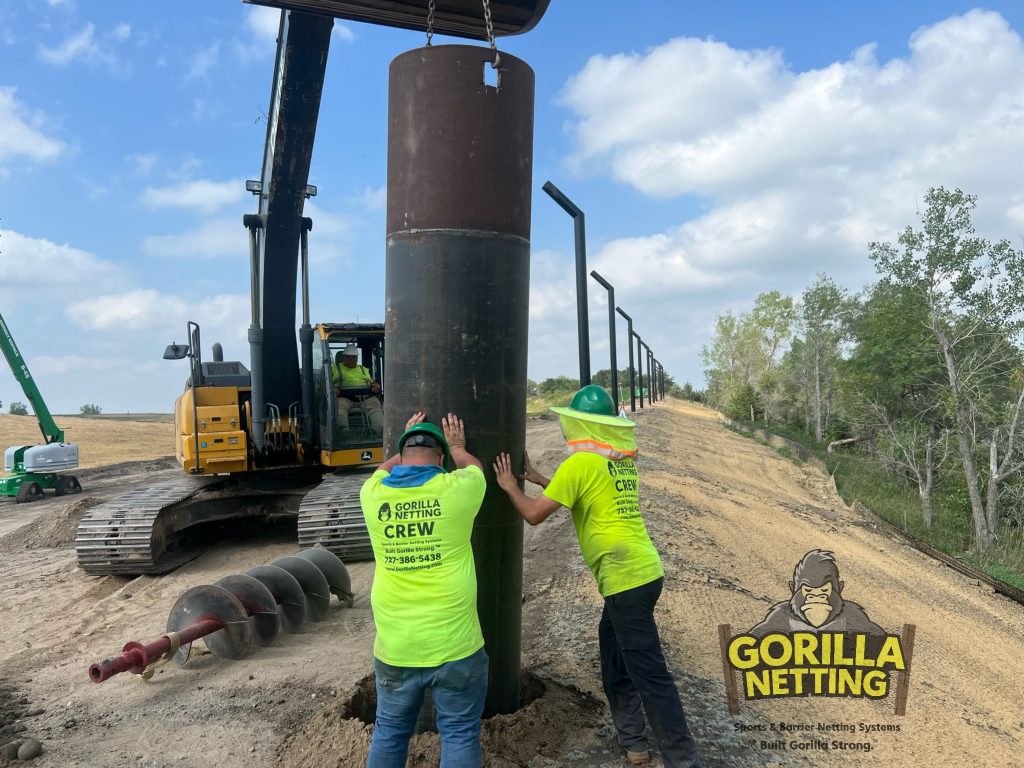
{"type": "Point", "coordinates": [361, 426]}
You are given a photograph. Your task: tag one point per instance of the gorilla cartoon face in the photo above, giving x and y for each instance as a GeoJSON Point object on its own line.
{"type": "Point", "coordinates": [816, 588]}
{"type": "Point", "coordinates": [817, 604]}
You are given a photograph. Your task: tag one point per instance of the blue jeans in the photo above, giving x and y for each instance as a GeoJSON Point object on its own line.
{"type": "Point", "coordinates": [458, 689]}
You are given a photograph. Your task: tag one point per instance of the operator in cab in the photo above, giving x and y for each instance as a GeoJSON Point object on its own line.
{"type": "Point", "coordinates": [351, 382]}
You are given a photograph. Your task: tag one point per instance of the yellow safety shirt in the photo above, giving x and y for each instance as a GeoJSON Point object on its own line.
{"type": "Point", "coordinates": [603, 497]}
{"type": "Point", "coordinates": [424, 584]}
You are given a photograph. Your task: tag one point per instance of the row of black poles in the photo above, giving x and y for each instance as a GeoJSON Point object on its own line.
{"type": "Point", "coordinates": [655, 370]}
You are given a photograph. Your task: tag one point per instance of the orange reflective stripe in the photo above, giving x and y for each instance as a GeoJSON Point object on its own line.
{"type": "Point", "coordinates": [604, 449]}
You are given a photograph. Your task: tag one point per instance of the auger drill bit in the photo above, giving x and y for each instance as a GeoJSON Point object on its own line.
{"type": "Point", "coordinates": [238, 610]}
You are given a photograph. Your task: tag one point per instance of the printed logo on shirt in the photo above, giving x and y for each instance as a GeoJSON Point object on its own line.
{"type": "Point", "coordinates": [384, 513]}
{"type": "Point", "coordinates": [623, 475]}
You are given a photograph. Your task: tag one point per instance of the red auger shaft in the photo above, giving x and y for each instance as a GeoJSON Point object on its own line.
{"type": "Point", "coordinates": [135, 656]}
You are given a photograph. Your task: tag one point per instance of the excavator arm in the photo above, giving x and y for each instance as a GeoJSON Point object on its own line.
{"type": "Point", "coordinates": [459, 18]}
{"type": "Point", "coordinates": [51, 432]}
{"type": "Point", "coordinates": [303, 43]}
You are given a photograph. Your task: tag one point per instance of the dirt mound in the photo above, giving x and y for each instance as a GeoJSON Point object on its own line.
{"type": "Point", "coordinates": [555, 719]}
{"type": "Point", "coordinates": [128, 468]}
{"type": "Point", "coordinates": [53, 529]}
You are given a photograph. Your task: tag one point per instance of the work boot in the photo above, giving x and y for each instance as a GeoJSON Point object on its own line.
{"type": "Point", "coordinates": [638, 756]}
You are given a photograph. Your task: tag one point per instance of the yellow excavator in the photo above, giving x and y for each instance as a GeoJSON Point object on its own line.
{"type": "Point", "coordinates": [272, 441]}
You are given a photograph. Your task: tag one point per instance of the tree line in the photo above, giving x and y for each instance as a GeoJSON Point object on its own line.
{"type": "Point", "coordinates": [923, 369]}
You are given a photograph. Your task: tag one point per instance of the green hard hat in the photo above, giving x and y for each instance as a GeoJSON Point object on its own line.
{"type": "Point", "coordinates": [425, 428]}
{"type": "Point", "coordinates": [593, 399]}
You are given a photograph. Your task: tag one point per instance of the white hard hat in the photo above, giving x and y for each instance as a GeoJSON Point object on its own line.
{"type": "Point", "coordinates": [351, 351]}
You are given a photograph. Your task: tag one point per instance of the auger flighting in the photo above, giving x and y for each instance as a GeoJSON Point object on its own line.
{"type": "Point", "coordinates": [238, 610]}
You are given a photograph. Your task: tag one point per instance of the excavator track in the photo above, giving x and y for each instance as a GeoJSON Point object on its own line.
{"type": "Point", "coordinates": [133, 533]}
{"type": "Point", "coordinates": [330, 516]}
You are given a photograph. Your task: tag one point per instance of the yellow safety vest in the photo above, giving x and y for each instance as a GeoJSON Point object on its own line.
{"type": "Point", "coordinates": [345, 377]}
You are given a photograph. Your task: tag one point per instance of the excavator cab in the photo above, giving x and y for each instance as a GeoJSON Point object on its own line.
{"type": "Point", "coordinates": [459, 18]}
{"type": "Point", "coordinates": [349, 408]}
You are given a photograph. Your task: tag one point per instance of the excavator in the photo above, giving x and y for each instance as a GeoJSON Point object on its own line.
{"type": "Point", "coordinates": [270, 442]}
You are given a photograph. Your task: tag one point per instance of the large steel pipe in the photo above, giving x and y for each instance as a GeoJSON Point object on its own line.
{"type": "Point", "coordinates": [460, 156]}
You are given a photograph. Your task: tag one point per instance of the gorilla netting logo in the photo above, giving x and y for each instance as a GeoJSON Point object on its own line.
{"type": "Point", "coordinates": [816, 643]}
{"type": "Point", "coordinates": [384, 513]}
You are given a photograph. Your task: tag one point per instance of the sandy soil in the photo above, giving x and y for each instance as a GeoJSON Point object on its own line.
{"type": "Point", "coordinates": [730, 517]}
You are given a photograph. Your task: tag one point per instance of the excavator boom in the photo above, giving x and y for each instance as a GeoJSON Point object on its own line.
{"type": "Point", "coordinates": [459, 18]}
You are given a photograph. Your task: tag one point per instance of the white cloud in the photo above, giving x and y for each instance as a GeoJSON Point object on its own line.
{"type": "Point", "coordinates": [203, 61]}
{"type": "Point", "coordinates": [216, 238]}
{"type": "Point", "coordinates": [623, 100]}
{"type": "Point", "coordinates": [6, 27]}
{"type": "Point", "coordinates": [343, 32]}
{"type": "Point", "coordinates": [199, 194]}
{"type": "Point", "coordinates": [147, 309]}
{"type": "Point", "coordinates": [795, 171]}
{"type": "Point", "coordinates": [21, 132]}
{"type": "Point", "coordinates": [24, 259]}
{"type": "Point", "coordinates": [226, 238]}
{"type": "Point", "coordinates": [44, 365]}
{"type": "Point", "coordinates": [844, 121]}
{"type": "Point", "coordinates": [85, 45]}
{"type": "Point", "coordinates": [80, 45]}
{"type": "Point", "coordinates": [263, 22]}
{"type": "Point", "coordinates": [1015, 213]}
{"type": "Point", "coordinates": [373, 198]}
{"type": "Point", "coordinates": [143, 163]}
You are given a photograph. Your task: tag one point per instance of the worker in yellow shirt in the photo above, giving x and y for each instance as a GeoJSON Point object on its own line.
{"type": "Point", "coordinates": [600, 484]}
{"type": "Point", "coordinates": [354, 387]}
{"type": "Point", "coordinates": [420, 520]}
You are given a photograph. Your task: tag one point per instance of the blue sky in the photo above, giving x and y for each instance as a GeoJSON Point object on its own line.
{"type": "Point", "coordinates": [718, 149]}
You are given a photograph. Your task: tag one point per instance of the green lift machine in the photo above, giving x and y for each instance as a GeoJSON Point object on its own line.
{"type": "Point", "coordinates": [34, 468]}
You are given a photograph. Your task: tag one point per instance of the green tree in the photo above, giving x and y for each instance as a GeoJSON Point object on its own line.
{"type": "Point", "coordinates": [824, 313]}
{"type": "Point", "coordinates": [18, 408]}
{"type": "Point", "coordinates": [892, 388]}
{"type": "Point", "coordinates": [740, 399]}
{"type": "Point", "coordinates": [971, 289]}
{"type": "Point", "coordinates": [557, 385]}
{"type": "Point", "coordinates": [747, 349]}
{"type": "Point", "coordinates": [90, 409]}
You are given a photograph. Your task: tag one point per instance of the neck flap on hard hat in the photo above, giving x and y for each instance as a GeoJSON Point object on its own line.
{"type": "Point", "coordinates": [591, 437]}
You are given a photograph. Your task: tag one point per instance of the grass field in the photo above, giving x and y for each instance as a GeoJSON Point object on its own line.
{"type": "Point", "coordinates": [137, 437]}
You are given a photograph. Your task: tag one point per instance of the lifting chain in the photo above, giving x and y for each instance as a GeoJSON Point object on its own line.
{"type": "Point", "coordinates": [430, 21]}
{"type": "Point", "coordinates": [490, 34]}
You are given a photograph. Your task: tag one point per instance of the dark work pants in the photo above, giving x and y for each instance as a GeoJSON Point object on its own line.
{"type": "Point", "coordinates": [636, 678]}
